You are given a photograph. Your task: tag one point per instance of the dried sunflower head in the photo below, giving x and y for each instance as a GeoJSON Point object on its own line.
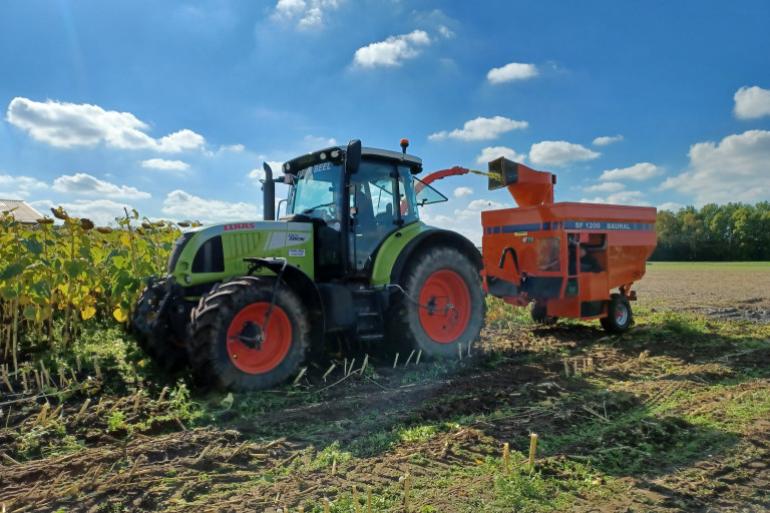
{"type": "Point", "coordinates": [60, 213]}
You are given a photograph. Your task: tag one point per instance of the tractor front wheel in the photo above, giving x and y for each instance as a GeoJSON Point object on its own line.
{"type": "Point", "coordinates": [246, 338]}
{"type": "Point", "coordinates": [619, 316]}
{"type": "Point", "coordinates": [444, 305]}
{"type": "Point", "coordinates": [152, 332]}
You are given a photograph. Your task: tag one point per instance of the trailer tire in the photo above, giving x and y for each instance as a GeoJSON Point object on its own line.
{"type": "Point", "coordinates": [619, 315]}
{"type": "Point", "coordinates": [229, 347]}
{"type": "Point", "coordinates": [157, 340]}
{"type": "Point", "coordinates": [539, 313]}
{"type": "Point", "coordinates": [443, 308]}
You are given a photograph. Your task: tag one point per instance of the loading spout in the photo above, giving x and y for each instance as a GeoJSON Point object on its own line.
{"type": "Point", "coordinates": [528, 187]}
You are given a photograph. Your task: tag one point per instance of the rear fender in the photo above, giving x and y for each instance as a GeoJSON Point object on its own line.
{"type": "Point", "coordinates": [428, 239]}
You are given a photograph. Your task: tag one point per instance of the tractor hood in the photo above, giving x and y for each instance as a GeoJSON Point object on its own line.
{"type": "Point", "coordinates": [213, 253]}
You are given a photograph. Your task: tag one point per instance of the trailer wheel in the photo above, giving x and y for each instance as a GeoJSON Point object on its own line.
{"type": "Point", "coordinates": [232, 346]}
{"type": "Point", "coordinates": [540, 315]}
{"type": "Point", "coordinates": [619, 315]}
{"type": "Point", "coordinates": [444, 308]}
{"type": "Point", "coordinates": [153, 335]}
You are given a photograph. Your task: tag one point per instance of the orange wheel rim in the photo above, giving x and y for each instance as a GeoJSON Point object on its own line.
{"type": "Point", "coordinates": [445, 306]}
{"type": "Point", "coordinates": [253, 347]}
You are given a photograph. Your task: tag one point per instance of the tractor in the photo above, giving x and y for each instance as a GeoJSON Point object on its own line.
{"type": "Point", "coordinates": [244, 303]}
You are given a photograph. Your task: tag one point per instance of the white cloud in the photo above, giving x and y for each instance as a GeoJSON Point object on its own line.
{"type": "Point", "coordinates": [316, 143]}
{"type": "Point", "coordinates": [101, 211]}
{"type": "Point", "coordinates": [559, 153]}
{"type": "Point", "coordinates": [165, 165]}
{"type": "Point", "coordinates": [606, 140]}
{"type": "Point", "coordinates": [752, 102]}
{"type": "Point", "coordinates": [619, 198]}
{"type": "Point", "coordinates": [670, 206]}
{"type": "Point", "coordinates": [480, 129]}
{"type": "Point", "coordinates": [638, 172]}
{"type": "Point", "coordinates": [512, 71]}
{"type": "Point", "coordinates": [307, 14]}
{"type": "Point", "coordinates": [183, 205]}
{"type": "Point", "coordinates": [257, 174]}
{"type": "Point", "coordinates": [466, 221]}
{"type": "Point", "coordinates": [85, 184]}
{"type": "Point", "coordinates": [477, 205]}
{"type": "Point", "coordinates": [735, 169]}
{"type": "Point", "coordinates": [69, 125]}
{"type": "Point", "coordinates": [470, 228]}
{"type": "Point", "coordinates": [445, 32]}
{"type": "Point", "coordinates": [234, 148]}
{"type": "Point", "coordinates": [392, 51]}
{"type": "Point", "coordinates": [605, 187]}
{"type": "Point", "coordinates": [494, 152]}
{"type": "Point", "coordinates": [19, 187]}
{"type": "Point", "coordinates": [459, 192]}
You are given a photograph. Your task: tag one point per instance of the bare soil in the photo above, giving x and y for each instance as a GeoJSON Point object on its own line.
{"type": "Point", "coordinates": [719, 291]}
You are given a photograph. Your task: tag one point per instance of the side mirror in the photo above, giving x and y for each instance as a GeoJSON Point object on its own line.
{"type": "Point", "coordinates": [353, 156]}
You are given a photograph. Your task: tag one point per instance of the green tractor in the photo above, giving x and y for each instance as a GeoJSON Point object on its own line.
{"type": "Point", "coordinates": [244, 303]}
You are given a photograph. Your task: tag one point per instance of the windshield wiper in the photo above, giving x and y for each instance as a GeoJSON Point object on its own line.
{"type": "Point", "coordinates": [308, 210]}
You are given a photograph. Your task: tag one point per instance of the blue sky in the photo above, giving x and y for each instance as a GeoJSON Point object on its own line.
{"type": "Point", "coordinates": [169, 106]}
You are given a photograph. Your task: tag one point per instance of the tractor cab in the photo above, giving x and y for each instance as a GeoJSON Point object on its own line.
{"type": "Point", "coordinates": [355, 198]}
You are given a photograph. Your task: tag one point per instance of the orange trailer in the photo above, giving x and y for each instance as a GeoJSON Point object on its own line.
{"type": "Point", "coordinates": [565, 258]}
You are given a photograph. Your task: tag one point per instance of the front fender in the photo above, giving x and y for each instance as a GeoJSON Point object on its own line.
{"type": "Point", "coordinates": [299, 282]}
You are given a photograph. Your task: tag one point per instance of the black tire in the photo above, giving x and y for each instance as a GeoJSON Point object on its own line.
{"type": "Point", "coordinates": [156, 338]}
{"type": "Point", "coordinates": [540, 315]}
{"type": "Point", "coordinates": [404, 325]}
{"type": "Point", "coordinates": [619, 315]}
{"type": "Point", "coordinates": [211, 364]}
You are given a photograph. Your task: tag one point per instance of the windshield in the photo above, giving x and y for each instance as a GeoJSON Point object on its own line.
{"type": "Point", "coordinates": [316, 192]}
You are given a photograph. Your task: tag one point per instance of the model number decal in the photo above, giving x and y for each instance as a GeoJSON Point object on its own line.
{"type": "Point", "coordinates": [239, 226]}
{"type": "Point", "coordinates": [296, 252]}
{"type": "Point", "coordinates": [323, 166]}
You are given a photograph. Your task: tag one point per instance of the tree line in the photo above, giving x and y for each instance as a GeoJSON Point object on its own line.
{"type": "Point", "coordinates": [734, 231]}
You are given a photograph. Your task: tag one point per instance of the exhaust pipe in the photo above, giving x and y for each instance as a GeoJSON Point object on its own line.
{"type": "Point", "coordinates": [268, 194]}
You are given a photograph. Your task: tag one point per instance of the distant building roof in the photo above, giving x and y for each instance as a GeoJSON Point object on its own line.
{"type": "Point", "coordinates": [20, 210]}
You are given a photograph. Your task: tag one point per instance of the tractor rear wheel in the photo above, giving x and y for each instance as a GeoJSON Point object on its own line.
{"type": "Point", "coordinates": [444, 307]}
{"type": "Point", "coordinates": [153, 334]}
{"type": "Point", "coordinates": [244, 338]}
{"type": "Point", "coordinates": [619, 316]}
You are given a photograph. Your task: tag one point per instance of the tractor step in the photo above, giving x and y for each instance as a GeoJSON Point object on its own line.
{"type": "Point", "coordinates": [371, 337]}
{"type": "Point", "coordinates": [369, 315]}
